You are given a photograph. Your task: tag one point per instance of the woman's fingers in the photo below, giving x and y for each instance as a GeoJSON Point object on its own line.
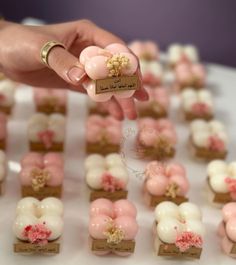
{"type": "Point", "coordinates": [66, 66]}
{"type": "Point", "coordinates": [128, 107]}
{"type": "Point", "coordinates": [115, 109]}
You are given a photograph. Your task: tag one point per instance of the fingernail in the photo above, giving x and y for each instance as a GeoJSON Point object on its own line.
{"type": "Point", "coordinates": [75, 74]}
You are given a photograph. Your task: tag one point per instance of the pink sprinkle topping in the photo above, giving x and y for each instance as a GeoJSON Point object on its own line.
{"type": "Point", "coordinates": [111, 184]}
{"type": "Point", "coordinates": [200, 108]}
{"type": "Point", "coordinates": [186, 240]}
{"type": "Point", "coordinates": [46, 137]}
{"type": "Point", "coordinates": [215, 143]}
{"type": "Point", "coordinates": [231, 183]}
{"type": "Point", "coordinates": [37, 234]}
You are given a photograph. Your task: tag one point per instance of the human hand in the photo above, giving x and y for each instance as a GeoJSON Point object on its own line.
{"type": "Point", "coordinates": [20, 58]}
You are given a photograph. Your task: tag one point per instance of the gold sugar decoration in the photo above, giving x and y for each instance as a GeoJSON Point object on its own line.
{"type": "Point", "coordinates": [172, 190]}
{"type": "Point", "coordinates": [114, 234]}
{"type": "Point", "coordinates": [116, 63]}
{"type": "Point", "coordinates": [39, 178]}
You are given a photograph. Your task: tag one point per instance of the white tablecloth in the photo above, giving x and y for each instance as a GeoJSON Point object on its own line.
{"type": "Point", "coordinates": [75, 250]}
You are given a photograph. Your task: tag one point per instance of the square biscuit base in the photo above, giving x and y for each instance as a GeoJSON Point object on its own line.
{"type": "Point", "coordinates": [103, 149]}
{"type": "Point", "coordinates": [113, 196]}
{"type": "Point", "coordinates": [49, 109]}
{"type": "Point", "coordinates": [189, 116]}
{"type": "Point", "coordinates": [195, 84]}
{"type": "Point", "coordinates": [153, 201]}
{"type": "Point", "coordinates": [6, 109]}
{"type": "Point", "coordinates": [206, 154]}
{"type": "Point", "coordinates": [154, 152]}
{"type": "Point", "coordinates": [40, 147]}
{"type": "Point", "coordinates": [170, 250]}
{"type": "Point", "coordinates": [94, 110]}
{"type": "Point", "coordinates": [28, 191]}
{"type": "Point", "coordinates": [149, 112]}
{"type": "Point", "coordinates": [52, 247]}
{"type": "Point", "coordinates": [125, 246]}
{"type": "Point", "coordinates": [3, 144]}
{"type": "Point", "coordinates": [217, 197]}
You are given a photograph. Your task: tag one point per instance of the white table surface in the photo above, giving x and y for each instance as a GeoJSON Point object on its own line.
{"type": "Point", "coordinates": [75, 248]}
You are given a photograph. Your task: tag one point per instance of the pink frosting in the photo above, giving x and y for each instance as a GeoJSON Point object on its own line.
{"type": "Point", "coordinates": [145, 49]}
{"type": "Point", "coordinates": [50, 163]}
{"type": "Point", "coordinates": [3, 126]}
{"type": "Point", "coordinates": [119, 216]}
{"type": "Point", "coordinates": [151, 131]}
{"type": "Point", "coordinates": [100, 128]}
{"type": "Point", "coordinates": [160, 176]}
{"type": "Point", "coordinates": [227, 230]}
{"type": "Point", "coordinates": [158, 95]}
{"type": "Point", "coordinates": [187, 72]}
{"type": "Point", "coordinates": [43, 95]}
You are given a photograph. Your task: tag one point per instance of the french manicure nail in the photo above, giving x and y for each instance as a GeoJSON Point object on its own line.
{"type": "Point", "coordinates": [75, 74]}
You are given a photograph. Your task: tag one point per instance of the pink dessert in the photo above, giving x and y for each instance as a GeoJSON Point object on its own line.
{"type": "Point", "coordinates": [116, 65]}
{"type": "Point", "coordinates": [145, 50]}
{"type": "Point", "coordinates": [156, 139]}
{"type": "Point", "coordinates": [50, 100]}
{"type": "Point", "coordinates": [190, 75]}
{"type": "Point", "coordinates": [112, 227]}
{"type": "Point", "coordinates": [227, 229]}
{"type": "Point", "coordinates": [165, 182]}
{"type": "Point", "coordinates": [103, 134]}
{"type": "Point", "coordinates": [158, 104]}
{"type": "Point", "coordinates": [42, 175]}
{"type": "Point", "coordinates": [3, 131]}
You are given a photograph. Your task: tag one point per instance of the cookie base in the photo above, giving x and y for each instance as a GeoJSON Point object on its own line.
{"type": "Point", "coordinates": [28, 191]}
{"type": "Point", "coordinates": [149, 112]}
{"type": "Point", "coordinates": [6, 109]}
{"type": "Point", "coordinates": [40, 147]}
{"type": "Point", "coordinates": [189, 116]}
{"type": "Point", "coordinates": [154, 153]}
{"type": "Point", "coordinates": [103, 149]}
{"type": "Point", "coordinates": [52, 247]}
{"type": "Point", "coordinates": [113, 196]}
{"type": "Point", "coordinates": [49, 109]}
{"type": "Point", "coordinates": [101, 245]}
{"type": "Point", "coordinates": [3, 144]}
{"type": "Point", "coordinates": [153, 201]}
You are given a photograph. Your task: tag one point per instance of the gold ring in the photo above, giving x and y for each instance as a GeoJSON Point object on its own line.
{"type": "Point", "coordinates": [47, 47]}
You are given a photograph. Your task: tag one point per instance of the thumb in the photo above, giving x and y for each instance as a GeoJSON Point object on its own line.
{"type": "Point", "coordinates": [66, 65]}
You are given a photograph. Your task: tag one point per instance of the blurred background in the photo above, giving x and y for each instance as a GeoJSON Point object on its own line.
{"type": "Point", "coordinates": [209, 24]}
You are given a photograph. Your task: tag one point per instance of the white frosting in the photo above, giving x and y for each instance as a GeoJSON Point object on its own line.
{"type": "Point", "coordinates": [40, 122]}
{"type": "Point", "coordinates": [166, 209]}
{"type": "Point", "coordinates": [152, 67]}
{"type": "Point", "coordinates": [176, 51]}
{"type": "Point", "coordinates": [190, 97]}
{"type": "Point", "coordinates": [202, 130]}
{"type": "Point", "coordinates": [173, 219]}
{"type": "Point", "coordinates": [96, 165]}
{"type": "Point", "coordinates": [189, 210]}
{"type": "Point", "coordinates": [3, 165]}
{"type": "Point", "coordinates": [218, 171]}
{"type": "Point", "coordinates": [7, 89]}
{"type": "Point", "coordinates": [31, 211]}
{"type": "Point", "coordinates": [167, 229]}
{"type": "Point", "coordinates": [94, 160]}
{"type": "Point", "coordinates": [215, 167]}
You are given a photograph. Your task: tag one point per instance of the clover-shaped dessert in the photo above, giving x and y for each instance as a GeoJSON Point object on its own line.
{"type": "Point", "coordinates": [112, 63]}
{"type": "Point", "coordinates": [112, 227]}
